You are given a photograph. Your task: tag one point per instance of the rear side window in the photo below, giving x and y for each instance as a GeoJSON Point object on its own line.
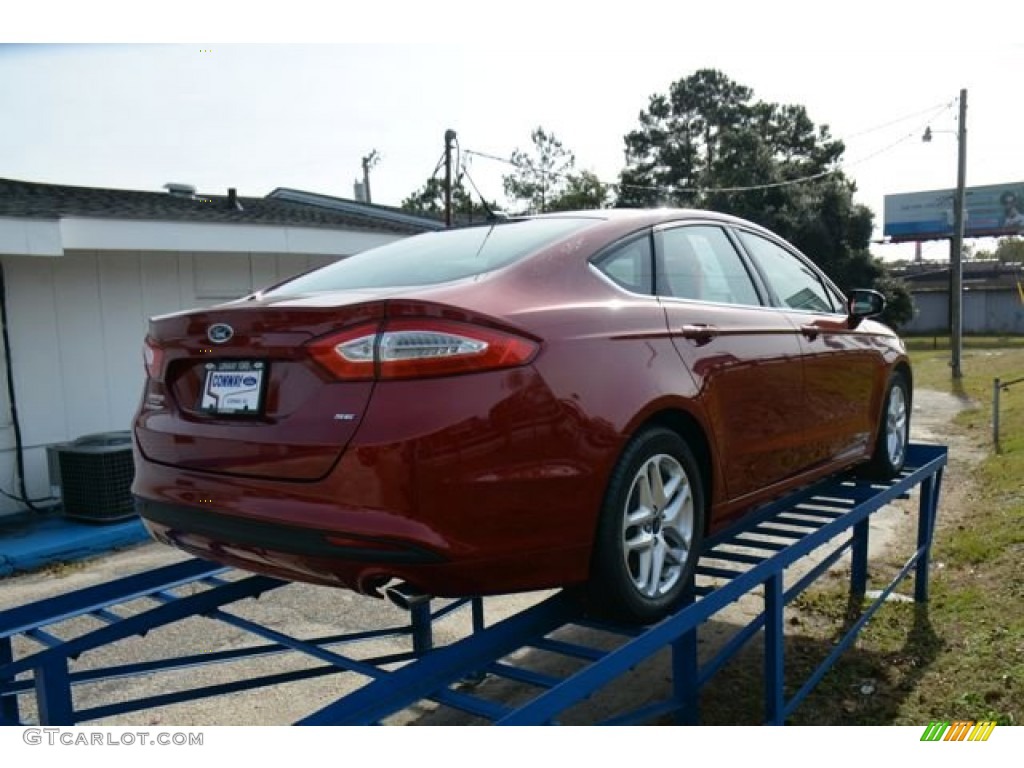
{"type": "Point", "coordinates": [436, 257]}
{"type": "Point", "coordinates": [629, 264]}
{"type": "Point", "coordinates": [700, 262]}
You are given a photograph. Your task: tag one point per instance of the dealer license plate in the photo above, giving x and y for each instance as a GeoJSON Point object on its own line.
{"type": "Point", "coordinates": [233, 387]}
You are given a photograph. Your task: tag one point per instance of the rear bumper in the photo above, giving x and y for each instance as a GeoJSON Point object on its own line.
{"type": "Point", "coordinates": [487, 485]}
{"type": "Point", "coordinates": [175, 520]}
{"type": "Point", "coordinates": [364, 565]}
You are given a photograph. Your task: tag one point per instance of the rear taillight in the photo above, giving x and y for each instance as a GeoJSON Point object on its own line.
{"type": "Point", "coordinates": [349, 354]}
{"type": "Point", "coordinates": [408, 349]}
{"type": "Point", "coordinates": [154, 358]}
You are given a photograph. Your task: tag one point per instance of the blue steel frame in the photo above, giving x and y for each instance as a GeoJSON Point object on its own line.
{"type": "Point", "coordinates": [47, 671]}
{"type": "Point", "coordinates": [781, 533]}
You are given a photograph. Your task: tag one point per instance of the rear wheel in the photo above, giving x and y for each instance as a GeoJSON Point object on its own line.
{"type": "Point", "coordinates": [893, 431]}
{"type": "Point", "coordinates": [650, 530]}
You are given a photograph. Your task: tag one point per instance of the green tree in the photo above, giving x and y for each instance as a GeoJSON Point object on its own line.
{"type": "Point", "coordinates": [583, 191]}
{"type": "Point", "coordinates": [1010, 249]}
{"type": "Point", "coordinates": [707, 140]}
{"type": "Point", "coordinates": [541, 175]}
{"type": "Point", "coordinates": [429, 200]}
{"type": "Point", "coordinates": [899, 303]}
{"type": "Point", "coordinates": [676, 148]}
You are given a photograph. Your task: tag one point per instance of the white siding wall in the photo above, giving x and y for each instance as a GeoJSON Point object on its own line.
{"type": "Point", "coordinates": [76, 324]}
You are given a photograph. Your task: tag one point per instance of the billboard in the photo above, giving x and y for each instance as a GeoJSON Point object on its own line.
{"type": "Point", "coordinates": [991, 211]}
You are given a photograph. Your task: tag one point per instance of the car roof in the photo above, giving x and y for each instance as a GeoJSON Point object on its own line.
{"type": "Point", "coordinates": [622, 218]}
{"type": "Point", "coordinates": [648, 216]}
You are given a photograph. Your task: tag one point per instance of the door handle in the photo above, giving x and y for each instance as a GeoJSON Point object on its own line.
{"type": "Point", "coordinates": [810, 331]}
{"type": "Point", "coordinates": [701, 334]}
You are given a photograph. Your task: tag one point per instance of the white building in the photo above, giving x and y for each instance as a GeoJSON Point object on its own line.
{"type": "Point", "coordinates": [84, 268]}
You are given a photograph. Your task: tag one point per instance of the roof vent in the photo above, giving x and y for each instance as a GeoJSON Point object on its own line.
{"type": "Point", "coordinates": [180, 190]}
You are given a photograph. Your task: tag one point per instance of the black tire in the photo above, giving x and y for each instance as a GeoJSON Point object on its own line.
{"type": "Point", "coordinates": [613, 589]}
{"type": "Point", "coordinates": [884, 464]}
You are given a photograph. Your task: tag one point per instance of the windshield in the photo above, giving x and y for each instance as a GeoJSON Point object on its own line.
{"type": "Point", "coordinates": [436, 257]}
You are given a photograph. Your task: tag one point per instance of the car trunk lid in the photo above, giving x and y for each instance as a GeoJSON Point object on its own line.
{"type": "Point", "coordinates": [295, 424]}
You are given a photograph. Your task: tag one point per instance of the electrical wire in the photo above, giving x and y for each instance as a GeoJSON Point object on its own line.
{"type": "Point", "coordinates": [751, 187]}
{"type": "Point", "coordinates": [440, 162]}
{"type": "Point", "coordinates": [12, 397]}
{"type": "Point", "coordinates": [492, 157]}
{"type": "Point", "coordinates": [26, 501]}
{"type": "Point", "coordinates": [873, 129]}
{"type": "Point", "coordinates": [464, 171]}
{"type": "Point", "coordinates": [491, 213]}
{"type": "Point", "coordinates": [812, 177]}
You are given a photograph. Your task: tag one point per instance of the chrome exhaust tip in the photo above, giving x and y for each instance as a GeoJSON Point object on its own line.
{"type": "Point", "coordinates": [406, 596]}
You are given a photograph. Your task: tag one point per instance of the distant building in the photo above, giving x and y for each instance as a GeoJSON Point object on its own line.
{"type": "Point", "coordinates": [85, 267]}
{"type": "Point", "coordinates": [993, 297]}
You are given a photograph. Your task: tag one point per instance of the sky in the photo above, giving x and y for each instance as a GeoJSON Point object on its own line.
{"type": "Point", "coordinates": [257, 115]}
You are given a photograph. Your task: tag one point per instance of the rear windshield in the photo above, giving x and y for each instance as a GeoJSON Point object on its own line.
{"type": "Point", "coordinates": [436, 257]}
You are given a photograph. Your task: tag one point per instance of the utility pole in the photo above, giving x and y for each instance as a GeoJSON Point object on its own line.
{"type": "Point", "coordinates": [449, 140]}
{"type": "Point", "coordinates": [369, 162]}
{"type": "Point", "coordinates": [956, 273]}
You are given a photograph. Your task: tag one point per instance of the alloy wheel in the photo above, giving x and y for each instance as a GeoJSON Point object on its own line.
{"type": "Point", "coordinates": [896, 426]}
{"type": "Point", "coordinates": [657, 526]}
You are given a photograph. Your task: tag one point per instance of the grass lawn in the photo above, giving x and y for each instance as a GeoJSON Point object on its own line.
{"type": "Point", "coordinates": [923, 343]}
{"type": "Point", "coordinates": [962, 658]}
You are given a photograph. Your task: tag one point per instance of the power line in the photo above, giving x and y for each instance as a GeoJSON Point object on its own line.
{"type": "Point", "coordinates": [463, 166]}
{"type": "Point", "coordinates": [465, 172]}
{"type": "Point", "coordinates": [812, 177]}
{"type": "Point", "coordinates": [491, 157]}
{"type": "Point", "coordinates": [932, 113]}
{"type": "Point", "coordinates": [929, 110]}
{"type": "Point", "coordinates": [440, 163]}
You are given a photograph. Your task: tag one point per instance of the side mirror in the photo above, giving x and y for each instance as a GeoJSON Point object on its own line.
{"type": "Point", "coordinates": [864, 303]}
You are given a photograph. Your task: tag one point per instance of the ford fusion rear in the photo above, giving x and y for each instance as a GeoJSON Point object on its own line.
{"type": "Point", "coordinates": [560, 400]}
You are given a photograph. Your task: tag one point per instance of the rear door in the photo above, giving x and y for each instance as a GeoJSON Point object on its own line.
{"type": "Point", "coordinates": [744, 356]}
{"type": "Point", "coordinates": [842, 368]}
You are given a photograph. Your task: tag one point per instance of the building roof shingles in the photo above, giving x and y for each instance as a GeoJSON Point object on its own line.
{"type": "Point", "coordinates": [51, 201]}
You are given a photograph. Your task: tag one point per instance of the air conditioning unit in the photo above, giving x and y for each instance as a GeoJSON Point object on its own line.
{"type": "Point", "coordinates": [95, 475]}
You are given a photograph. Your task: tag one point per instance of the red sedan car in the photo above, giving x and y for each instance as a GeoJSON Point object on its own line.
{"type": "Point", "coordinates": [571, 399]}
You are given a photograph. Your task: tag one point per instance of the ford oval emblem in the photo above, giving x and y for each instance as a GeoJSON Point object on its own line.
{"type": "Point", "coordinates": [218, 333]}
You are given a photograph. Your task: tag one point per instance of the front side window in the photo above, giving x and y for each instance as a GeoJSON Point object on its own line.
{"type": "Point", "coordinates": [437, 257]}
{"type": "Point", "coordinates": [795, 283]}
{"type": "Point", "coordinates": [699, 262]}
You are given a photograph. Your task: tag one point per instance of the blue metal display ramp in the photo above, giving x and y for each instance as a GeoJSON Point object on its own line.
{"type": "Point", "coordinates": [754, 555]}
